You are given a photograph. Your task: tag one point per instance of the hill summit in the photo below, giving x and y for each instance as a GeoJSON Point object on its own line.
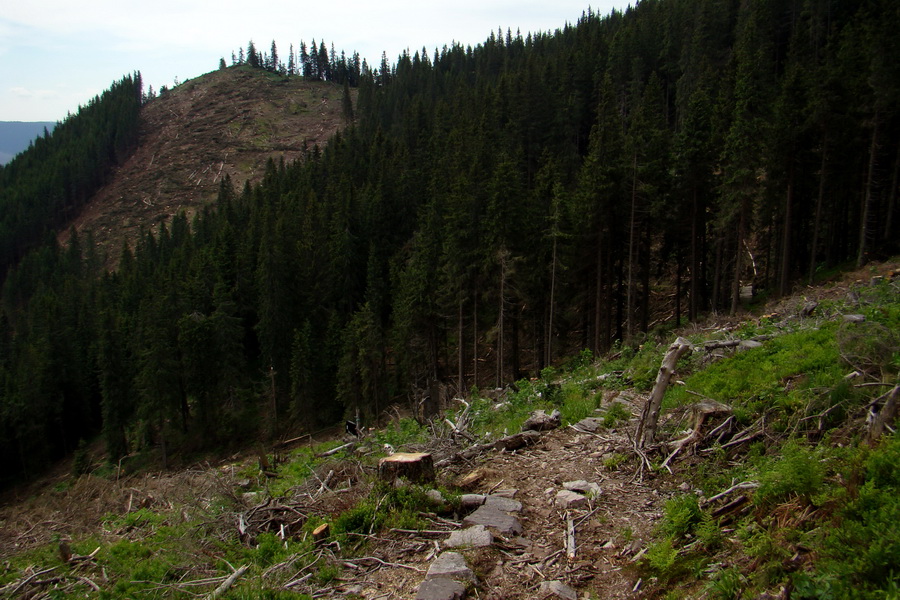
{"type": "Point", "coordinates": [226, 123]}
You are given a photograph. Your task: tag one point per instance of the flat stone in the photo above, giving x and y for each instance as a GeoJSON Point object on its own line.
{"type": "Point", "coordinates": [476, 536]}
{"type": "Point", "coordinates": [450, 565]}
{"type": "Point", "coordinates": [470, 501]}
{"type": "Point", "coordinates": [441, 589]}
{"type": "Point", "coordinates": [558, 589]}
{"type": "Point", "coordinates": [495, 519]}
{"type": "Point", "coordinates": [855, 318]}
{"type": "Point", "coordinates": [588, 488]}
{"type": "Point", "coordinates": [589, 425]}
{"type": "Point", "coordinates": [510, 493]}
{"type": "Point", "coordinates": [504, 504]}
{"type": "Point", "coordinates": [570, 499]}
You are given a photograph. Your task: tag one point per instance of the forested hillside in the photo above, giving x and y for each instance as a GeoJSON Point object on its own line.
{"type": "Point", "coordinates": [491, 210]}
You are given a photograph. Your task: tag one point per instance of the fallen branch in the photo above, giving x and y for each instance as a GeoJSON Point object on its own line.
{"type": "Point", "coordinates": [336, 450]}
{"type": "Point", "coordinates": [228, 583]}
{"type": "Point", "coordinates": [744, 485]}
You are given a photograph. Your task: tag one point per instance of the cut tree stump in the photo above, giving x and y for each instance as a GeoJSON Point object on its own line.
{"type": "Point", "coordinates": [415, 466]}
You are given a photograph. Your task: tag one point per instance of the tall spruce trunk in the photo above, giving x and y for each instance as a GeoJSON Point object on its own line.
{"type": "Point", "coordinates": [784, 282]}
{"type": "Point", "coordinates": [629, 292]}
{"type": "Point", "coordinates": [738, 257]}
{"type": "Point", "coordinates": [864, 231]}
{"type": "Point", "coordinates": [817, 223]}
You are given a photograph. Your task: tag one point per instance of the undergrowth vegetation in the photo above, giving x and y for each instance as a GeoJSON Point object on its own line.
{"type": "Point", "coordinates": [822, 520]}
{"type": "Point", "coordinates": [821, 510]}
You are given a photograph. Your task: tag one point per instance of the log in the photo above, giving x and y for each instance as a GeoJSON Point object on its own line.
{"type": "Point", "coordinates": [415, 466]}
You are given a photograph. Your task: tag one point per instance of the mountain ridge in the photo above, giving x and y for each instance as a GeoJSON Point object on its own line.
{"type": "Point", "coordinates": [16, 136]}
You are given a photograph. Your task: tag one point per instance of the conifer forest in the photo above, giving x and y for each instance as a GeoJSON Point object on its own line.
{"type": "Point", "coordinates": [486, 212]}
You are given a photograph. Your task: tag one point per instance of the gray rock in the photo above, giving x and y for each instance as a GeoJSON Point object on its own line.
{"type": "Point", "coordinates": [749, 345]}
{"type": "Point", "coordinates": [855, 318]}
{"type": "Point", "coordinates": [435, 496]}
{"type": "Point", "coordinates": [495, 519]}
{"type": "Point", "coordinates": [470, 501]}
{"type": "Point", "coordinates": [570, 499]}
{"type": "Point", "coordinates": [504, 504]}
{"type": "Point", "coordinates": [558, 589]}
{"type": "Point", "coordinates": [441, 589]}
{"type": "Point", "coordinates": [541, 421]}
{"type": "Point", "coordinates": [450, 565]}
{"type": "Point", "coordinates": [589, 425]}
{"type": "Point", "coordinates": [476, 536]}
{"type": "Point", "coordinates": [588, 488]}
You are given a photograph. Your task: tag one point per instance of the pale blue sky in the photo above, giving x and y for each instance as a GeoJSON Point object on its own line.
{"type": "Point", "coordinates": [57, 54]}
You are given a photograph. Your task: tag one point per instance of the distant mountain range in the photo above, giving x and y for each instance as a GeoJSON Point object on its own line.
{"type": "Point", "coordinates": [16, 135]}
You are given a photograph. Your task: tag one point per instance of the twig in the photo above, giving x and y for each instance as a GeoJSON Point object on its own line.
{"type": "Point", "coordinates": [298, 581]}
{"type": "Point", "coordinates": [90, 583]}
{"type": "Point", "coordinates": [386, 564]}
{"type": "Point", "coordinates": [29, 578]}
{"type": "Point", "coordinates": [570, 538]}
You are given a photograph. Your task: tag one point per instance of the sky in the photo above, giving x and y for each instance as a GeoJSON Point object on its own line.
{"type": "Point", "coordinates": [55, 55]}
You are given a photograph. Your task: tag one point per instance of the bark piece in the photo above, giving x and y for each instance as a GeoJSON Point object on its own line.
{"type": "Point", "coordinates": [415, 466]}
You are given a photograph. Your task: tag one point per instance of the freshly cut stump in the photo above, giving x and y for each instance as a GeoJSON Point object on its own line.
{"type": "Point", "coordinates": [415, 466]}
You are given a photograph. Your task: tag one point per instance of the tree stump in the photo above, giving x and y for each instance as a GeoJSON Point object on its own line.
{"type": "Point", "coordinates": [415, 466]}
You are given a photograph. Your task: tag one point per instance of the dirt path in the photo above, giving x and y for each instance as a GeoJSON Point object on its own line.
{"type": "Point", "coordinates": [610, 532]}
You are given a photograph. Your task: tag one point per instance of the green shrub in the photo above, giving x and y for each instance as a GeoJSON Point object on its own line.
{"type": "Point", "coordinates": [727, 585]}
{"type": "Point", "coordinates": [860, 553]}
{"type": "Point", "coordinates": [681, 514]}
{"type": "Point", "coordinates": [661, 557]}
{"type": "Point", "coordinates": [798, 471]}
{"type": "Point", "coordinates": [616, 413]}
